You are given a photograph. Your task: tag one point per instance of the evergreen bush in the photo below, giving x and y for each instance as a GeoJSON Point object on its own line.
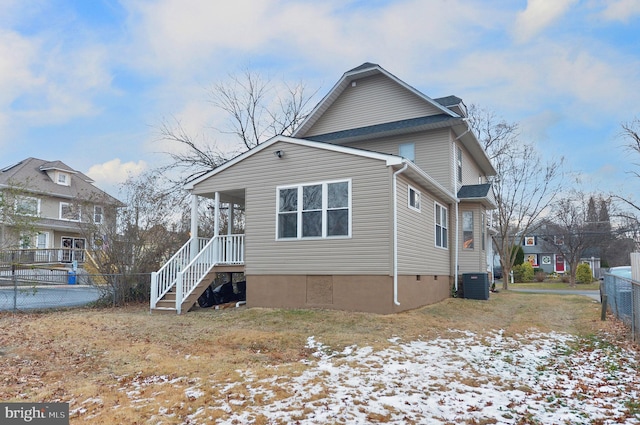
{"type": "Point", "coordinates": [583, 273]}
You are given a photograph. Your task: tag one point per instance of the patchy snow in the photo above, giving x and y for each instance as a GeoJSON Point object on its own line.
{"type": "Point", "coordinates": [453, 380]}
{"type": "Point", "coordinates": [535, 378]}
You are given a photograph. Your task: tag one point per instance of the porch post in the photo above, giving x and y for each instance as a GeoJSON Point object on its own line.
{"type": "Point", "coordinates": [231, 218]}
{"type": "Point", "coordinates": [194, 227]}
{"type": "Point", "coordinates": [216, 216]}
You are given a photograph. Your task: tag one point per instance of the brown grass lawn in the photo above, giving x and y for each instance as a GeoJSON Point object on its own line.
{"type": "Point", "coordinates": [95, 359]}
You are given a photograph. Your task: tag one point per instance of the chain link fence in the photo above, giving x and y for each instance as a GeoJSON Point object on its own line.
{"type": "Point", "coordinates": [623, 301]}
{"type": "Point", "coordinates": [35, 289]}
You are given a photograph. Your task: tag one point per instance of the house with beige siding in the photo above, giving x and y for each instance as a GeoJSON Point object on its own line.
{"type": "Point", "coordinates": [50, 213]}
{"type": "Point", "coordinates": [378, 202]}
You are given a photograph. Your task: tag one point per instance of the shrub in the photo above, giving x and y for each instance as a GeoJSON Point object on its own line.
{"type": "Point", "coordinates": [523, 272]}
{"type": "Point", "coordinates": [583, 273]}
{"type": "Point", "coordinates": [566, 278]}
{"type": "Point", "coordinates": [540, 276]}
{"type": "Point", "coordinates": [519, 255]}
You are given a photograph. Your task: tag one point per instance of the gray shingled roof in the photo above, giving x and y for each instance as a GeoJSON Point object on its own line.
{"type": "Point", "coordinates": [31, 173]}
{"type": "Point", "coordinates": [380, 129]}
{"type": "Point", "coordinates": [448, 100]}
{"type": "Point", "coordinates": [474, 191]}
{"type": "Point", "coordinates": [365, 65]}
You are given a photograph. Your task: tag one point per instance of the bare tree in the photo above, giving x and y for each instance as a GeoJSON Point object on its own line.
{"type": "Point", "coordinates": [524, 186]}
{"type": "Point", "coordinates": [569, 231]}
{"type": "Point", "coordinates": [18, 215]}
{"type": "Point", "coordinates": [256, 109]}
{"type": "Point", "coordinates": [139, 240]}
{"type": "Point", "coordinates": [498, 137]}
{"type": "Point", "coordinates": [192, 157]}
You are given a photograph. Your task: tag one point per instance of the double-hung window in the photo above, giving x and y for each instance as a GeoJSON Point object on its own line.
{"type": "Point", "coordinates": [26, 205]}
{"type": "Point", "coordinates": [414, 199]}
{"type": "Point", "coordinates": [318, 210]}
{"type": "Point", "coordinates": [441, 226]}
{"type": "Point", "coordinates": [98, 213]}
{"type": "Point", "coordinates": [69, 211]}
{"type": "Point", "coordinates": [467, 229]}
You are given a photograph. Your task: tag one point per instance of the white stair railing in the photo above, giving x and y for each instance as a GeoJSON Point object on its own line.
{"type": "Point", "coordinates": [187, 274]}
{"type": "Point", "coordinates": [163, 280]}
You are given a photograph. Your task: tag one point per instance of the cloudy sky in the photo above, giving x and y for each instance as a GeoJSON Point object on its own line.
{"type": "Point", "coordinates": [90, 82]}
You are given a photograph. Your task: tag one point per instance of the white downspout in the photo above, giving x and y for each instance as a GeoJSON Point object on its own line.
{"type": "Point", "coordinates": [395, 233]}
{"type": "Point", "coordinates": [457, 258]}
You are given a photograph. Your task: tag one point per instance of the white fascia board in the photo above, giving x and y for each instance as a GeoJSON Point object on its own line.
{"type": "Point", "coordinates": [389, 159]}
{"type": "Point", "coordinates": [231, 162]}
{"type": "Point", "coordinates": [419, 94]}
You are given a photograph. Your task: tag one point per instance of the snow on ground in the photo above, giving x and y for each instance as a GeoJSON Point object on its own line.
{"type": "Point", "coordinates": [534, 378]}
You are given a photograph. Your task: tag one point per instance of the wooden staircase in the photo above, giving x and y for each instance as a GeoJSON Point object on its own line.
{"type": "Point", "coordinates": [167, 304]}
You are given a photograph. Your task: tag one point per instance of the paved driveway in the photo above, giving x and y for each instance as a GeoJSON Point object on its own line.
{"type": "Point", "coordinates": [595, 294]}
{"type": "Point", "coordinates": [49, 296]}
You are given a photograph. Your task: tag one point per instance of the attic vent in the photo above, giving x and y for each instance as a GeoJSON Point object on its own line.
{"type": "Point", "coordinates": [353, 84]}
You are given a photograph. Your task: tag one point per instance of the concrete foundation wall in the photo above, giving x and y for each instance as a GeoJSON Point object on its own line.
{"type": "Point", "coordinates": [372, 294]}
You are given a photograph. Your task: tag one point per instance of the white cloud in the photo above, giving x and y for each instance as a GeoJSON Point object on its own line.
{"type": "Point", "coordinates": [114, 172]}
{"type": "Point", "coordinates": [538, 15]}
{"type": "Point", "coordinates": [621, 10]}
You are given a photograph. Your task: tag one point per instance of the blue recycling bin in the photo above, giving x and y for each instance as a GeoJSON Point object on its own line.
{"type": "Point", "coordinates": [71, 278]}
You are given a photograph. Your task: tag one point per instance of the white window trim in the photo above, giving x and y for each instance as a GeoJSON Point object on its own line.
{"type": "Point", "coordinates": [23, 198]}
{"type": "Point", "coordinates": [68, 219]}
{"type": "Point", "coordinates": [444, 225]}
{"type": "Point", "coordinates": [418, 197]}
{"type": "Point", "coordinates": [324, 210]}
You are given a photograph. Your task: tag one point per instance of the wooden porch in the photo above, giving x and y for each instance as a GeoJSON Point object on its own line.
{"type": "Point", "coordinates": [45, 256]}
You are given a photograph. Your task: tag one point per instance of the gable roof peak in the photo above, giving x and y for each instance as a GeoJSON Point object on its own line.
{"type": "Point", "coordinates": [366, 65]}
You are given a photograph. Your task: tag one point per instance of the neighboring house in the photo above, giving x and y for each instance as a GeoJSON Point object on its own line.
{"type": "Point", "coordinates": [378, 202]}
{"type": "Point", "coordinates": [545, 252]}
{"type": "Point", "coordinates": [50, 209]}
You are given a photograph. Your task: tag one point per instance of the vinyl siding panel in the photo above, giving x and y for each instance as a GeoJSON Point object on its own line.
{"type": "Point", "coordinates": [373, 100]}
{"type": "Point", "coordinates": [470, 169]}
{"type": "Point", "coordinates": [417, 253]}
{"type": "Point", "coordinates": [366, 252]}
{"type": "Point", "coordinates": [432, 152]}
{"type": "Point", "coordinates": [472, 260]}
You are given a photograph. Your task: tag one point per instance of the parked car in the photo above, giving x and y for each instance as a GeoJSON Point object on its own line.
{"type": "Point", "coordinates": [223, 294]}
{"type": "Point", "coordinates": [497, 272]}
{"type": "Point", "coordinates": [622, 271]}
